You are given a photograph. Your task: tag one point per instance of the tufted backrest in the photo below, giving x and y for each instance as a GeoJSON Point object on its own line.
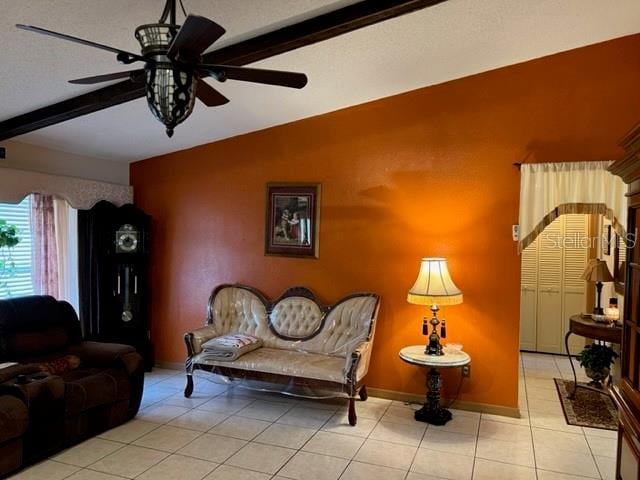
{"type": "Point", "coordinates": [235, 309]}
{"type": "Point", "coordinates": [294, 321]}
{"type": "Point", "coordinates": [346, 325]}
{"type": "Point", "coordinates": [296, 318]}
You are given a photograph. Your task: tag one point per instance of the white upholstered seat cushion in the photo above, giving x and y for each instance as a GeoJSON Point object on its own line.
{"type": "Point", "coordinates": [287, 362]}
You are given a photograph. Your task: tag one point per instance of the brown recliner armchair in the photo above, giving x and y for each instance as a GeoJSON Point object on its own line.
{"type": "Point", "coordinates": [14, 419]}
{"type": "Point", "coordinates": [73, 402]}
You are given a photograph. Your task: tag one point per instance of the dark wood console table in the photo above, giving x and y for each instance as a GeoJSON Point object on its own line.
{"type": "Point", "coordinates": [586, 327]}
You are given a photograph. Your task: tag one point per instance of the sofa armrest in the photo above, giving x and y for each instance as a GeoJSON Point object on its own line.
{"type": "Point", "coordinates": [13, 371]}
{"type": "Point", "coordinates": [14, 418]}
{"type": "Point", "coordinates": [357, 362]}
{"type": "Point", "coordinates": [106, 355]}
{"type": "Point", "coordinates": [196, 338]}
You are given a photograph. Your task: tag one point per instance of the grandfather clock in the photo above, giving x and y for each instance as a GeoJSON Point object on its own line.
{"type": "Point", "coordinates": [113, 266]}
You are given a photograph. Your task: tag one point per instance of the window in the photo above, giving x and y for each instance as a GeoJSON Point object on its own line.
{"type": "Point", "coordinates": [19, 282]}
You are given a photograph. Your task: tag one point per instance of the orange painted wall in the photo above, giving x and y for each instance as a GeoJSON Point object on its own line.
{"type": "Point", "coordinates": [424, 173]}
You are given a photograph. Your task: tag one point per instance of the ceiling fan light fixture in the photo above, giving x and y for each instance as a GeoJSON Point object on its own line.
{"type": "Point", "coordinates": [156, 37]}
{"type": "Point", "coordinates": [171, 90]}
{"type": "Point", "coordinates": [171, 94]}
{"type": "Point", "coordinates": [173, 65]}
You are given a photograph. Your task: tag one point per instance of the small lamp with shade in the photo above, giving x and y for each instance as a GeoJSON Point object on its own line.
{"type": "Point", "coordinates": [597, 272]}
{"type": "Point", "coordinates": [434, 287]}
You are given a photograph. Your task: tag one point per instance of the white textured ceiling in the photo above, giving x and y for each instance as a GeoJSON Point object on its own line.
{"type": "Point", "coordinates": [451, 40]}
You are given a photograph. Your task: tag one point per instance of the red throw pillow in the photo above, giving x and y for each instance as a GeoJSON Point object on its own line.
{"type": "Point", "coordinates": [60, 365]}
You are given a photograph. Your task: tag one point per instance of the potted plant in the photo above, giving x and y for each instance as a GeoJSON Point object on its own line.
{"type": "Point", "coordinates": [8, 239]}
{"type": "Point", "coordinates": [596, 360]}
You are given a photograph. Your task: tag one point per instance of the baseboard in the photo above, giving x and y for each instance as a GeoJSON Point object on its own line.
{"type": "Point", "coordinates": [170, 365]}
{"type": "Point", "coordinates": [459, 404]}
{"type": "Point", "coordinates": [408, 397]}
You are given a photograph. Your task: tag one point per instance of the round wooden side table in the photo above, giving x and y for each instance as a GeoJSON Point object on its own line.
{"type": "Point", "coordinates": [432, 412]}
{"type": "Point", "coordinates": [586, 327]}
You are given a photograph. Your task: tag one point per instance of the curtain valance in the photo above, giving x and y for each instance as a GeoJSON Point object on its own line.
{"type": "Point", "coordinates": [548, 190]}
{"type": "Point", "coordinates": [80, 193]}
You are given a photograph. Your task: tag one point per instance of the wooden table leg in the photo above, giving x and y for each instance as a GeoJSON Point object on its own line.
{"type": "Point", "coordinates": [432, 412]}
{"type": "Point", "coordinates": [572, 395]}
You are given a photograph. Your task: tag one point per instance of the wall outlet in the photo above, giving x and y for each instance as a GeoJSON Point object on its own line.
{"type": "Point", "coordinates": [515, 232]}
{"type": "Point", "coordinates": [466, 371]}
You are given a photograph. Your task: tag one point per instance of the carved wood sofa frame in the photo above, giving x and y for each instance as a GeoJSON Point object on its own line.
{"type": "Point", "coordinates": [352, 387]}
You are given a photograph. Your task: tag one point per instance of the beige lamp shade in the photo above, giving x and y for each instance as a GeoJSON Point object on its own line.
{"type": "Point", "coordinates": [597, 271]}
{"type": "Point", "coordinates": [434, 285]}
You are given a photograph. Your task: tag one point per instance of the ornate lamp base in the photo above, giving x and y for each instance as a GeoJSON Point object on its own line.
{"type": "Point", "coordinates": [434, 347]}
{"type": "Point", "coordinates": [432, 412]}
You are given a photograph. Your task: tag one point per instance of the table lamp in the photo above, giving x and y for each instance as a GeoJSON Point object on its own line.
{"type": "Point", "coordinates": [434, 287]}
{"type": "Point", "coordinates": [598, 272]}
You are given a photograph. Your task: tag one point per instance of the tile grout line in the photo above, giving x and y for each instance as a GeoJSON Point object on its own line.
{"type": "Point", "coordinates": [475, 450]}
{"type": "Point", "coordinates": [526, 396]}
{"type": "Point", "coordinates": [593, 457]}
{"type": "Point", "coordinates": [417, 449]}
{"type": "Point", "coordinates": [298, 450]}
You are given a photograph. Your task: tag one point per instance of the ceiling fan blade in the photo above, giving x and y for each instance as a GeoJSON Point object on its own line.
{"type": "Point", "coordinates": [209, 95]}
{"type": "Point", "coordinates": [285, 39]}
{"type": "Point", "coordinates": [122, 53]}
{"type": "Point", "coordinates": [195, 36]}
{"type": "Point", "coordinates": [256, 75]}
{"type": "Point", "coordinates": [131, 74]}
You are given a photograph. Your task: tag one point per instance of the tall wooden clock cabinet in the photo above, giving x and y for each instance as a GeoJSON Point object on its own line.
{"type": "Point", "coordinates": [627, 394]}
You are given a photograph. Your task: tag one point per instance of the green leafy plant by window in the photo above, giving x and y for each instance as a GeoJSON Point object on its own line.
{"type": "Point", "coordinates": [8, 239]}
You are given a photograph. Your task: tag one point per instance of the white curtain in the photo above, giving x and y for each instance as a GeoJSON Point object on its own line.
{"type": "Point", "coordinates": [66, 231]}
{"type": "Point", "coordinates": [548, 190]}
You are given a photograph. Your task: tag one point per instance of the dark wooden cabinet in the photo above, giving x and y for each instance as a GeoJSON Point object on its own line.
{"type": "Point", "coordinates": [627, 393]}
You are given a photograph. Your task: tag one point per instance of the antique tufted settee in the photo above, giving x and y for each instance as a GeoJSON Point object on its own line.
{"type": "Point", "coordinates": [306, 345]}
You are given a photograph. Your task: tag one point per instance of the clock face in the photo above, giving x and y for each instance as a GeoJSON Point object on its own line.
{"type": "Point", "coordinates": [126, 239]}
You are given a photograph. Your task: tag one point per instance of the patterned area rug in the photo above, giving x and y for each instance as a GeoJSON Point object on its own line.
{"type": "Point", "coordinates": [588, 409]}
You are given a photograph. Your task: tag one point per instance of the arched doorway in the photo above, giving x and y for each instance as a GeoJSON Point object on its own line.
{"type": "Point", "coordinates": [569, 213]}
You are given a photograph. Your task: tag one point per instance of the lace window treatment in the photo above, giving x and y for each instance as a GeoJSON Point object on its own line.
{"type": "Point", "coordinates": [548, 190]}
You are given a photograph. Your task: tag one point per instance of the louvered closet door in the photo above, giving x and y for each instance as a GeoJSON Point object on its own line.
{"type": "Point", "coordinates": [529, 297]}
{"type": "Point", "coordinates": [576, 228]}
{"type": "Point", "coordinates": [550, 263]}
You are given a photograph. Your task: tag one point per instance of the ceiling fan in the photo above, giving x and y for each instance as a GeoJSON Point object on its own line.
{"type": "Point", "coordinates": [173, 69]}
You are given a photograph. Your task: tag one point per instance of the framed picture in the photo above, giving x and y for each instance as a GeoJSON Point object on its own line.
{"type": "Point", "coordinates": [293, 214]}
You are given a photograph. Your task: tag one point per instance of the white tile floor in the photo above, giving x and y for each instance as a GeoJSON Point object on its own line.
{"type": "Point", "coordinates": [224, 434]}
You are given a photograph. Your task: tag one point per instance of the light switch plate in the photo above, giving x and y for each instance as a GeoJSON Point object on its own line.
{"type": "Point", "coordinates": [515, 232]}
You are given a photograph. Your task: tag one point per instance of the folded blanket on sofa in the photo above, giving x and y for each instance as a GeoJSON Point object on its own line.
{"type": "Point", "coordinates": [229, 347]}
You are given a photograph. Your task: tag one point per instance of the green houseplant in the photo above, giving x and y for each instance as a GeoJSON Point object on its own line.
{"type": "Point", "coordinates": [596, 360]}
{"type": "Point", "coordinates": [8, 239]}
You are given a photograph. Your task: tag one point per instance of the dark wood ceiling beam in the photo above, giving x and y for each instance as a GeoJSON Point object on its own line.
{"type": "Point", "coordinates": [314, 30]}
{"type": "Point", "coordinates": [301, 34]}
{"type": "Point", "coordinates": [74, 107]}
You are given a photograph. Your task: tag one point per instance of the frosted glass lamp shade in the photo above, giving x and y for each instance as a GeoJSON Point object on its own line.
{"type": "Point", "coordinates": [434, 285]}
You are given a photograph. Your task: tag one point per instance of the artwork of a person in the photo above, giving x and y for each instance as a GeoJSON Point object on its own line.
{"type": "Point", "coordinates": [294, 226]}
{"type": "Point", "coordinates": [284, 223]}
